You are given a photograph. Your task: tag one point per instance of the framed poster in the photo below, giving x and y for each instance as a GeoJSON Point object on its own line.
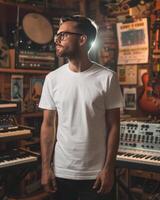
{"type": "Point", "coordinates": [107, 41]}
{"type": "Point", "coordinates": [127, 74]}
{"type": "Point", "coordinates": [36, 85]}
{"type": "Point", "coordinates": [133, 42]}
{"type": "Point", "coordinates": [130, 98]}
{"type": "Point", "coordinates": [16, 87]}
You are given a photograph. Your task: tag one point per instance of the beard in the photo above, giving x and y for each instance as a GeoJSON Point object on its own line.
{"type": "Point", "coordinates": [59, 51]}
{"type": "Point", "coordinates": [62, 51]}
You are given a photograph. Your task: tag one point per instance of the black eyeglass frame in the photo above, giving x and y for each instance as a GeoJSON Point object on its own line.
{"type": "Point", "coordinates": [60, 36]}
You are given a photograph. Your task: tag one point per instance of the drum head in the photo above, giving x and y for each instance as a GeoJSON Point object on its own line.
{"type": "Point", "coordinates": [37, 28]}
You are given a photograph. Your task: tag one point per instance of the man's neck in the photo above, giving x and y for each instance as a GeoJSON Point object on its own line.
{"type": "Point", "coordinates": [79, 65]}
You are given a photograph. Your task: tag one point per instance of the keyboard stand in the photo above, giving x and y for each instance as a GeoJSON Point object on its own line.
{"type": "Point", "coordinates": [129, 165]}
{"type": "Point", "coordinates": [11, 183]}
{"type": "Point", "coordinates": [125, 188]}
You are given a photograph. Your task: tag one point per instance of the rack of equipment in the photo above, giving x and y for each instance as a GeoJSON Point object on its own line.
{"type": "Point", "coordinates": [9, 128]}
{"type": "Point", "coordinates": [35, 46]}
{"type": "Point", "coordinates": [13, 158]}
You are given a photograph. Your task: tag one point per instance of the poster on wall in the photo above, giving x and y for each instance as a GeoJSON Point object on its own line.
{"type": "Point", "coordinates": [133, 42]}
{"type": "Point", "coordinates": [107, 51]}
{"type": "Point", "coordinates": [127, 74]}
{"type": "Point", "coordinates": [36, 85]}
{"type": "Point", "coordinates": [130, 98]}
{"type": "Point", "coordinates": [16, 88]}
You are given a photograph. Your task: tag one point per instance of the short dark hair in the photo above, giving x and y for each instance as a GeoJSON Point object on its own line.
{"type": "Point", "coordinates": [84, 24]}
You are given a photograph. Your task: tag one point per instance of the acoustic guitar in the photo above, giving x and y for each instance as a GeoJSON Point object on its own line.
{"type": "Point", "coordinates": [150, 99]}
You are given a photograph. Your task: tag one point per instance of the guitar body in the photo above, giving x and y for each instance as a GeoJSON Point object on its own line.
{"type": "Point", "coordinates": [147, 101]}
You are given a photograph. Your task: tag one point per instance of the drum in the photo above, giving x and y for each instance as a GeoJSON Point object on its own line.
{"type": "Point", "coordinates": [37, 28]}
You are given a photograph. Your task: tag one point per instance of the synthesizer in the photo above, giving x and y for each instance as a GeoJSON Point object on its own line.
{"type": "Point", "coordinates": [9, 106]}
{"type": "Point", "coordinates": [16, 157]}
{"type": "Point", "coordinates": [9, 129]}
{"type": "Point", "coordinates": [139, 143]}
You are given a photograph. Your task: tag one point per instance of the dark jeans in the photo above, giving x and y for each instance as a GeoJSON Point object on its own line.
{"type": "Point", "coordinates": [78, 190]}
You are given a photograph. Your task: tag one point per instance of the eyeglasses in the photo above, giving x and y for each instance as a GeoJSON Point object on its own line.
{"type": "Point", "coordinates": [63, 35]}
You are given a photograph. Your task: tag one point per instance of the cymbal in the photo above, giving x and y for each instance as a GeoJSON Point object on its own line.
{"type": "Point", "coordinates": [37, 28]}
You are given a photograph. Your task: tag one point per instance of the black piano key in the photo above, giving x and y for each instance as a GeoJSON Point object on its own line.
{"type": "Point", "coordinates": [148, 157]}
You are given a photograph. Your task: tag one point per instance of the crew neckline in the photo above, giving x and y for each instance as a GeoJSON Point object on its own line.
{"type": "Point", "coordinates": [79, 73]}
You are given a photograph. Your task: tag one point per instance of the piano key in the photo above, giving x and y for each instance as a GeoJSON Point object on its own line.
{"type": "Point", "coordinates": [10, 133]}
{"type": "Point", "coordinates": [139, 158]}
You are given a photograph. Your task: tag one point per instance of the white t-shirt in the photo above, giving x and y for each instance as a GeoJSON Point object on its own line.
{"type": "Point", "coordinates": [80, 99]}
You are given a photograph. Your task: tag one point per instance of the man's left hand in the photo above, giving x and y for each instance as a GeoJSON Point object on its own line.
{"type": "Point", "coordinates": [104, 181]}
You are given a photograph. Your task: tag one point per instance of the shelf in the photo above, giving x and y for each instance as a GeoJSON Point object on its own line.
{"type": "Point", "coordinates": [40, 7]}
{"type": "Point", "coordinates": [23, 5]}
{"type": "Point", "coordinates": [15, 138]}
{"type": "Point", "coordinates": [33, 141]}
{"type": "Point", "coordinates": [32, 114]}
{"type": "Point", "coordinates": [26, 71]}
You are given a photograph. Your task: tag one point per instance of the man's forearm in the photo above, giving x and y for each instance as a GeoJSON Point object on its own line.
{"type": "Point", "coordinates": [112, 140]}
{"type": "Point", "coordinates": [47, 144]}
{"type": "Point", "coordinates": [112, 148]}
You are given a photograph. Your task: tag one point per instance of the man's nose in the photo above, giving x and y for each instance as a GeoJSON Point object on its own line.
{"type": "Point", "coordinates": [58, 41]}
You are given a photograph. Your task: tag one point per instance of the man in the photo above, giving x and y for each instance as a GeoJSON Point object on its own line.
{"type": "Point", "coordinates": [86, 98]}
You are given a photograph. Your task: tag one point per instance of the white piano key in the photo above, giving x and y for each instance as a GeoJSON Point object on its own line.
{"type": "Point", "coordinates": [122, 156]}
{"type": "Point", "coordinates": [15, 133]}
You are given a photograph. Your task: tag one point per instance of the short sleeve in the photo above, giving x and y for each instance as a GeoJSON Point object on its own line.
{"type": "Point", "coordinates": [46, 100]}
{"type": "Point", "coordinates": [113, 95]}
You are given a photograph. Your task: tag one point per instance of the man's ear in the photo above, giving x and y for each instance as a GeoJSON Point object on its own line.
{"type": "Point", "coordinates": [83, 40]}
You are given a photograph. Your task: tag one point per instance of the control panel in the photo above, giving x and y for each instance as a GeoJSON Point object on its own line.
{"type": "Point", "coordinates": [140, 135]}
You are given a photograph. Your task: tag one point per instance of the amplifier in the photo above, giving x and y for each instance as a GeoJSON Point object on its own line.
{"type": "Point", "coordinates": [35, 60]}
